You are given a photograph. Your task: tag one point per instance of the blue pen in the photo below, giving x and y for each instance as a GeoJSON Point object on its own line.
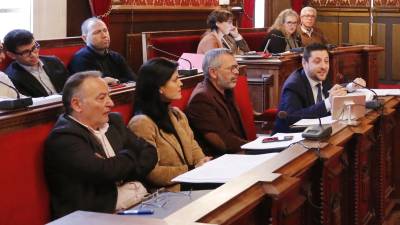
{"type": "Point", "coordinates": [136, 212]}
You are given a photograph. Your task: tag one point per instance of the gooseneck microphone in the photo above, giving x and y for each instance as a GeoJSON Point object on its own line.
{"type": "Point", "coordinates": [296, 49]}
{"type": "Point", "coordinates": [14, 103]}
{"type": "Point", "coordinates": [317, 132]}
{"type": "Point", "coordinates": [375, 103]}
{"type": "Point", "coordinates": [182, 72]}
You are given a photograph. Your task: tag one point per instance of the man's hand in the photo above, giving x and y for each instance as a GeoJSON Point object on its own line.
{"type": "Point", "coordinates": [359, 83]}
{"type": "Point", "coordinates": [337, 90]}
{"type": "Point", "coordinates": [202, 161]}
{"type": "Point", "coordinates": [110, 80]}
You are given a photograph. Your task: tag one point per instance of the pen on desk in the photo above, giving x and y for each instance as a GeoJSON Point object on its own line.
{"type": "Point", "coordinates": [136, 212]}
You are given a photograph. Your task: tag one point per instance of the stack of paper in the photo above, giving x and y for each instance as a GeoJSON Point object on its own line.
{"type": "Point", "coordinates": [46, 100]}
{"type": "Point", "coordinates": [223, 169]}
{"type": "Point", "coordinates": [259, 145]}
{"type": "Point", "coordinates": [309, 122]}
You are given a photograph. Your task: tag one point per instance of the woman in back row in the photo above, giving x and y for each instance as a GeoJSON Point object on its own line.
{"type": "Point", "coordinates": [222, 34]}
{"type": "Point", "coordinates": [166, 127]}
{"type": "Point", "coordinates": [283, 34]}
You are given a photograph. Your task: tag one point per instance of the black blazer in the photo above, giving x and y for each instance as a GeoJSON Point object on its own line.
{"type": "Point", "coordinates": [298, 101]}
{"type": "Point", "coordinates": [278, 41]}
{"type": "Point", "coordinates": [78, 179]}
{"type": "Point", "coordinates": [28, 85]}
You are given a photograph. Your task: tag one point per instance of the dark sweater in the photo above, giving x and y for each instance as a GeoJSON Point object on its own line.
{"type": "Point", "coordinates": [111, 64]}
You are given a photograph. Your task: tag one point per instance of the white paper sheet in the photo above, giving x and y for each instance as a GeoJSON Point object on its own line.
{"type": "Point", "coordinates": [46, 100]}
{"type": "Point", "coordinates": [387, 92]}
{"type": "Point", "coordinates": [223, 169]}
{"type": "Point", "coordinates": [258, 145]}
{"type": "Point", "coordinates": [308, 122]}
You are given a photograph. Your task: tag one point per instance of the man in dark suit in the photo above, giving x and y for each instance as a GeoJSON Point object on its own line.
{"type": "Point", "coordinates": [33, 75]}
{"type": "Point", "coordinates": [92, 161]}
{"type": "Point", "coordinates": [212, 111]}
{"type": "Point", "coordinates": [97, 55]}
{"type": "Point", "coordinates": [306, 94]}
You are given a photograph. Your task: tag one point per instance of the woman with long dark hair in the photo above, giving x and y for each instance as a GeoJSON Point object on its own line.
{"type": "Point", "coordinates": [165, 127]}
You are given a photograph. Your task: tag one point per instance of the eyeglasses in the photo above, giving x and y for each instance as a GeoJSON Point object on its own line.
{"type": "Point", "coordinates": [308, 16]}
{"type": "Point", "coordinates": [291, 23]}
{"type": "Point", "coordinates": [28, 52]}
{"type": "Point", "coordinates": [233, 68]}
{"type": "Point", "coordinates": [161, 197]}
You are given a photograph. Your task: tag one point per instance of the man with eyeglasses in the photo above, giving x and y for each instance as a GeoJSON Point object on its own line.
{"type": "Point", "coordinates": [33, 75]}
{"type": "Point", "coordinates": [97, 55]}
{"type": "Point", "coordinates": [309, 32]}
{"type": "Point", "coordinates": [212, 111]}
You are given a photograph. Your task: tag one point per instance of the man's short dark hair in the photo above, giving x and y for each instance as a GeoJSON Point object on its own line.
{"type": "Point", "coordinates": [313, 47]}
{"type": "Point", "coordinates": [71, 87]}
{"type": "Point", "coordinates": [16, 38]}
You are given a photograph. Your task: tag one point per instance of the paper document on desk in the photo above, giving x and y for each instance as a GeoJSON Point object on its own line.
{"type": "Point", "coordinates": [369, 95]}
{"type": "Point", "coordinates": [259, 145]}
{"type": "Point", "coordinates": [46, 100]}
{"type": "Point", "coordinates": [308, 122]}
{"type": "Point", "coordinates": [387, 92]}
{"type": "Point", "coordinates": [223, 169]}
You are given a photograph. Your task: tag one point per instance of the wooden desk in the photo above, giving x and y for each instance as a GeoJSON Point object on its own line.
{"type": "Point", "coordinates": [346, 63]}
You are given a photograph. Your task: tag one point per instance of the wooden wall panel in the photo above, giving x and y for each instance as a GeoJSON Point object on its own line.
{"type": "Point", "coordinates": [380, 39]}
{"type": "Point", "coordinates": [355, 30]}
{"type": "Point", "coordinates": [358, 33]}
{"type": "Point", "coordinates": [396, 52]}
{"type": "Point", "coordinates": [332, 31]}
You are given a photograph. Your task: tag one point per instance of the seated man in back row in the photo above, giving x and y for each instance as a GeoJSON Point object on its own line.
{"type": "Point", "coordinates": [97, 55]}
{"type": "Point", "coordinates": [306, 94]}
{"type": "Point", "coordinates": [33, 75]}
{"type": "Point", "coordinates": [92, 161]}
{"type": "Point", "coordinates": [212, 111]}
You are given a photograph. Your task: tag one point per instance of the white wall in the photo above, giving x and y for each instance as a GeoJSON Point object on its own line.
{"type": "Point", "coordinates": [49, 19]}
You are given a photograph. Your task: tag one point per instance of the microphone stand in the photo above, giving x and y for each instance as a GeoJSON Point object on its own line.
{"type": "Point", "coordinates": [182, 72]}
{"type": "Point", "coordinates": [14, 103]}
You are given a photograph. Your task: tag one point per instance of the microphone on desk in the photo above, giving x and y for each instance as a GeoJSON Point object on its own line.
{"type": "Point", "coordinates": [313, 132]}
{"type": "Point", "coordinates": [375, 103]}
{"type": "Point", "coordinates": [317, 132]}
{"type": "Point", "coordinates": [295, 50]}
{"type": "Point", "coordinates": [182, 72]}
{"type": "Point", "coordinates": [14, 103]}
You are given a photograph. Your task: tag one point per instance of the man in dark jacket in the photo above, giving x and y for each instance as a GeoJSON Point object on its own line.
{"type": "Point", "coordinates": [212, 111]}
{"type": "Point", "coordinates": [307, 94]}
{"type": "Point", "coordinates": [33, 75]}
{"type": "Point", "coordinates": [92, 161]}
{"type": "Point", "coordinates": [97, 55]}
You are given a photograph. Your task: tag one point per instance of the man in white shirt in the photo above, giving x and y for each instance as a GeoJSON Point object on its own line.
{"type": "Point", "coordinates": [92, 161]}
{"type": "Point", "coordinates": [33, 75]}
{"type": "Point", "coordinates": [306, 94]}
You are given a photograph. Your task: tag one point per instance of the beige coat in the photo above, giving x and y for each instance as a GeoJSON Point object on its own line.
{"type": "Point", "coordinates": [171, 157]}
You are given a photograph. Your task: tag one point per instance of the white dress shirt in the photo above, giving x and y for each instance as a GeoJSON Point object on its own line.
{"type": "Point", "coordinates": [129, 193]}
{"type": "Point", "coordinates": [40, 74]}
